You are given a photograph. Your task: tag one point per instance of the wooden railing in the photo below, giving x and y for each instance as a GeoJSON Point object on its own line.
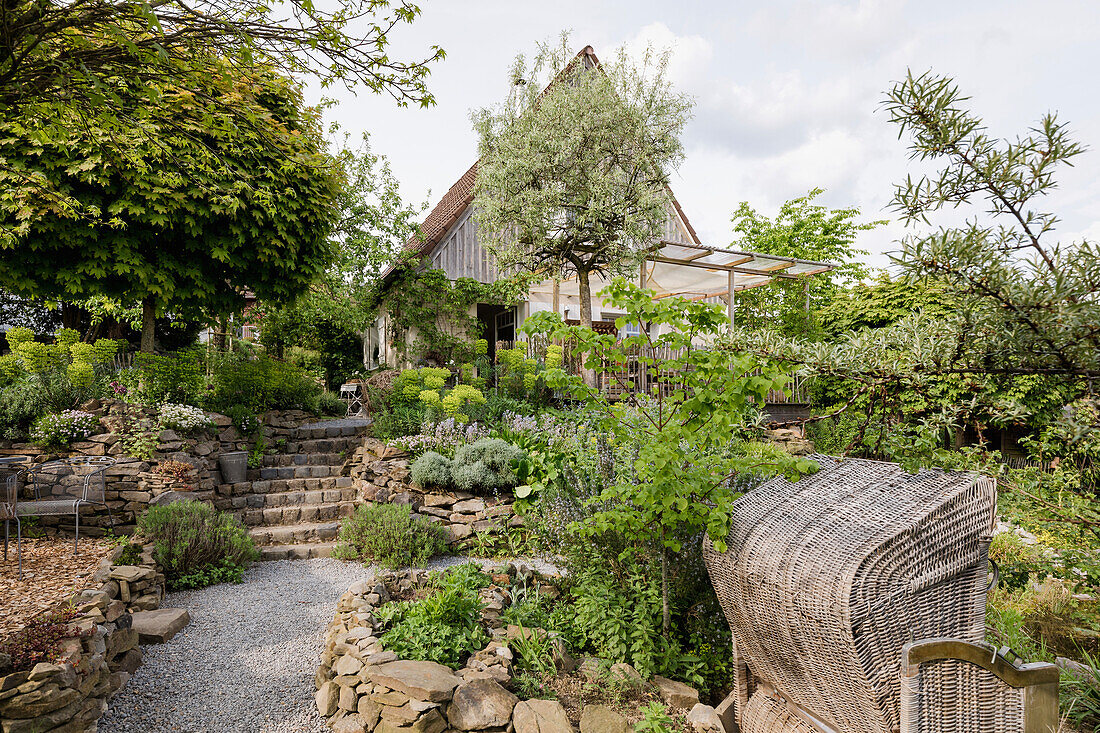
{"type": "Point", "coordinates": [636, 376]}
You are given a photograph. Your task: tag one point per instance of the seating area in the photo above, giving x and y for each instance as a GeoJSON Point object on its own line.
{"type": "Point", "coordinates": [856, 597]}
{"type": "Point", "coordinates": [59, 488]}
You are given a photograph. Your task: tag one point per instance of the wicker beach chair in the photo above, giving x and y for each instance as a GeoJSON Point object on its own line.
{"type": "Point", "coordinates": [856, 597]}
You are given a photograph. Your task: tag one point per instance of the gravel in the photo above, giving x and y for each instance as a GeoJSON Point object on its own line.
{"type": "Point", "coordinates": [247, 660]}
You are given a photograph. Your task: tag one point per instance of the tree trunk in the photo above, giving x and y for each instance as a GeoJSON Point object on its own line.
{"type": "Point", "coordinates": [666, 621]}
{"type": "Point", "coordinates": [148, 323]}
{"type": "Point", "coordinates": [585, 289]}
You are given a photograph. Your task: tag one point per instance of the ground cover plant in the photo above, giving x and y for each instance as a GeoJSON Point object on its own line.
{"type": "Point", "coordinates": [388, 534]}
{"type": "Point", "coordinates": [195, 545]}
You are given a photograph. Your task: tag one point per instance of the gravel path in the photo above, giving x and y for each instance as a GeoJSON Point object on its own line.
{"type": "Point", "coordinates": [247, 660]}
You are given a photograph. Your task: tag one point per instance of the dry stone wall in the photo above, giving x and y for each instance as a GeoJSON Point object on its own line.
{"type": "Point", "coordinates": [130, 484]}
{"type": "Point", "coordinates": [70, 693]}
{"type": "Point", "coordinates": [381, 475]}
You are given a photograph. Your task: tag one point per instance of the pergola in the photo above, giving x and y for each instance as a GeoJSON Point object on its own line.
{"type": "Point", "coordinates": [698, 272]}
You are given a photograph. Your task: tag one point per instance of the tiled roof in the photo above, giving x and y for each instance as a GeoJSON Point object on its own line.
{"type": "Point", "coordinates": [445, 213]}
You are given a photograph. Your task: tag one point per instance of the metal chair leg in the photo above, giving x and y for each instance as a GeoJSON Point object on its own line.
{"type": "Point", "coordinates": [76, 540]}
{"type": "Point", "coordinates": [18, 543]}
{"type": "Point", "coordinates": [6, 523]}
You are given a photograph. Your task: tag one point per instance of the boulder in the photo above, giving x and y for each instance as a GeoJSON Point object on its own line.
{"type": "Point", "coordinates": [157, 627]}
{"type": "Point", "coordinates": [481, 704]}
{"type": "Point", "coordinates": [676, 694]}
{"type": "Point", "coordinates": [704, 719]}
{"type": "Point", "coordinates": [349, 724]}
{"type": "Point", "coordinates": [421, 680]}
{"type": "Point", "coordinates": [540, 716]}
{"type": "Point", "coordinates": [602, 719]}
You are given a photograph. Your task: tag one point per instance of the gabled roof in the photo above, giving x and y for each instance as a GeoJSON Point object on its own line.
{"type": "Point", "coordinates": [461, 194]}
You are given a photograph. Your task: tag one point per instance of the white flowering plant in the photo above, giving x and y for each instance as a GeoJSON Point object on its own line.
{"type": "Point", "coordinates": [63, 429]}
{"type": "Point", "coordinates": [184, 417]}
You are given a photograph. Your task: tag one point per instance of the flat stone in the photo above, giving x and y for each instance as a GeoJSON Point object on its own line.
{"type": "Point", "coordinates": [131, 573]}
{"type": "Point", "coordinates": [347, 664]}
{"type": "Point", "coordinates": [676, 694]}
{"type": "Point", "coordinates": [540, 716]}
{"type": "Point", "coordinates": [727, 711]}
{"type": "Point", "coordinates": [350, 724]}
{"type": "Point", "coordinates": [422, 680]}
{"type": "Point", "coordinates": [481, 704]}
{"type": "Point", "coordinates": [171, 497]}
{"type": "Point", "coordinates": [704, 719]}
{"type": "Point", "coordinates": [157, 627]}
{"type": "Point", "coordinates": [602, 719]}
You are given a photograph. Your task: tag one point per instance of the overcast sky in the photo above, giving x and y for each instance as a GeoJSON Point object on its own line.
{"type": "Point", "coordinates": [787, 92]}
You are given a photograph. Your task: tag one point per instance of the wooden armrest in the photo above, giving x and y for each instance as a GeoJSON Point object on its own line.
{"type": "Point", "coordinates": [1037, 683]}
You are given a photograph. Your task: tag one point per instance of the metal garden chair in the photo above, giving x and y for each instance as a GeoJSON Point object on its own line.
{"type": "Point", "coordinates": [8, 500]}
{"type": "Point", "coordinates": [856, 597]}
{"type": "Point", "coordinates": [93, 488]}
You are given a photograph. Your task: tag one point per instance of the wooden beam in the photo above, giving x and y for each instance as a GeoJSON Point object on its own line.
{"type": "Point", "coordinates": [780, 266]}
{"type": "Point", "coordinates": [730, 306]}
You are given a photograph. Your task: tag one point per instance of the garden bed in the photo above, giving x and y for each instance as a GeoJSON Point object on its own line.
{"type": "Point", "coordinates": [427, 653]}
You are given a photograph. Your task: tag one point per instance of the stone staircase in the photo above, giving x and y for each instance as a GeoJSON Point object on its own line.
{"type": "Point", "coordinates": [294, 503]}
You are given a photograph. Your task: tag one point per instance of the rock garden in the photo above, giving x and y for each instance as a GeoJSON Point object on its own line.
{"type": "Point", "coordinates": [494, 650]}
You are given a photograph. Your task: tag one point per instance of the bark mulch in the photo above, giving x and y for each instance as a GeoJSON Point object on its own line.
{"type": "Point", "coordinates": [50, 574]}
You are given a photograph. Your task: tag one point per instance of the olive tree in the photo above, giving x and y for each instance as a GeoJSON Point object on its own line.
{"type": "Point", "coordinates": [574, 165]}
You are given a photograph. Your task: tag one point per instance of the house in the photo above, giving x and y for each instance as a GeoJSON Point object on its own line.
{"type": "Point", "coordinates": [680, 265]}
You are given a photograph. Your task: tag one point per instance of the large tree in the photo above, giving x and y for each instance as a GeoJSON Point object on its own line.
{"type": "Point", "coordinates": [77, 53]}
{"type": "Point", "coordinates": [182, 220]}
{"type": "Point", "coordinates": [808, 231]}
{"type": "Point", "coordinates": [574, 165]}
{"type": "Point", "coordinates": [372, 224]}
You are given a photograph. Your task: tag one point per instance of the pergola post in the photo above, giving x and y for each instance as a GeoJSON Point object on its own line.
{"type": "Point", "coordinates": [731, 299]}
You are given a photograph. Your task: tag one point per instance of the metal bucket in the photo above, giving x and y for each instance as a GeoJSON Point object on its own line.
{"type": "Point", "coordinates": [234, 466]}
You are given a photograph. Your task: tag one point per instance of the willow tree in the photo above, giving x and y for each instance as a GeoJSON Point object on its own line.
{"type": "Point", "coordinates": [184, 221]}
{"type": "Point", "coordinates": [574, 165]}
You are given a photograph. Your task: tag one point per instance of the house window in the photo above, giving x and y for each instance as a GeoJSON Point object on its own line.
{"type": "Point", "coordinates": [506, 326]}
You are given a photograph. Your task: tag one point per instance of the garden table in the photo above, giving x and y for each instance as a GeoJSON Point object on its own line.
{"type": "Point", "coordinates": [8, 500]}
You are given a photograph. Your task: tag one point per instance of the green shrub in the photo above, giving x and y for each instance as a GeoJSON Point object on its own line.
{"type": "Point", "coordinates": [432, 470]}
{"type": "Point", "coordinates": [329, 403]}
{"type": "Point", "coordinates": [196, 545]}
{"type": "Point", "coordinates": [260, 384]}
{"type": "Point", "coordinates": [397, 420]}
{"type": "Point", "coordinates": [485, 466]}
{"type": "Point", "coordinates": [244, 419]}
{"type": "Point", "coordinates": [445, 627]}
{"type": "Point", "coordinates": [388, 534]}
{"type": "Point", "coordinates": [21, 403]}
{"type": "Point", "coordinates": [175, 377]}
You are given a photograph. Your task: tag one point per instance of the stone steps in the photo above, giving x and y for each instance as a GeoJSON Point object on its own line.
{"type": "Point", "coordinates": [324, 445]}
{"type": "Point", "coordinates": [269, 473]}
{"type": "Point", "coordinates": [314, 431]}
{"type": "Point", "coordinates": [277, 486]}
{"type": "Point", "coordinates": [304, 459]}
{"type": "Point", "coordinates": [286, 498]}
{"type": "Point", "coordinates": [302, 551]}
{"type": "Point", "coordinates": [295, 534]}
{"type": "Point", "coordinates": [296, 514]}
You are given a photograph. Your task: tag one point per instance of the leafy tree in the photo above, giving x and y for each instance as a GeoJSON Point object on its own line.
{"type": "Point", "coordinates": [572, 179]}
{"type": "Point", "coordinates": [686, 432]}
{"type": "Point", "coordinates": [180, 222]}
{"type": "Point", "coordinates": [89, 57]}
{"type": "Point", "coordinates": [804, 230]}
{"type": "Point", "coordinates": [373, 222]}
{"type": "Point", "coordinates": [880, 303]}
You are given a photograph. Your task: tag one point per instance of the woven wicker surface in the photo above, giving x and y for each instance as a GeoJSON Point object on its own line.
{"type": "Point", "coordinates": [955, 696]}
{"type": "Point", "coordinates": [765, 714]}
{"type": "Point", "coordinates": [825, 580]}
